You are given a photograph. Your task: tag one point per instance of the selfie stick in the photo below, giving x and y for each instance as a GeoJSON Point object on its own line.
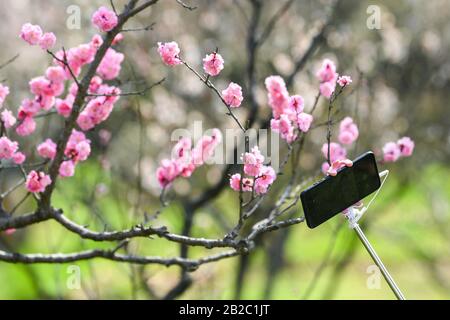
{"type": "Point", "coordinates": [353, 215]}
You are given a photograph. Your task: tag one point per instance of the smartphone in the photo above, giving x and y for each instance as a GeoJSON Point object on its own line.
{"type": "Point", "coordinates": [326, 198]}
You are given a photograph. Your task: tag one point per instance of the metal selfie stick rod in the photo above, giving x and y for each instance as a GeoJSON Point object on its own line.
{"type": "Point", "coordinates": [353, 215]}
{"type": "Point", "coordinates": [379, 263]}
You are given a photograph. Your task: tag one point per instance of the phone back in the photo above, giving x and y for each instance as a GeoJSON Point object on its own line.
{"type": "Point", "coordinates": [332, 195]}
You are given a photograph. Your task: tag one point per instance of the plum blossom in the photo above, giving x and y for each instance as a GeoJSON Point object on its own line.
{"type": "Point", "coordinates": [338, 164]}
{"type": "Point", "coordinates": [337, 152]}
{"type": "Point", "coordinates": [7, 148]}
{"type": "Point", "coordinates": [19, 158]}
{"type": "Point", "coordinates": [253, 162]}
{"type": "Point", "coordinates": [64, 107]}
{"type": "Point", "coordinates": [67, 169]}
{"type": "Point", "coordinates": [261, 176]}
{"type": "Point", "coordinates": [327, 76]}
{"type": "Point", "coordinates": [186, 159]}
{"type": "Point", "coordinates": [233, 95]}
{"type": "Point", "coordinates": [344, 81]}
{"type": "Point", "coordinates": [37, 181]}
{"type": "Point", "coordinates": [169, 53]}
{"type": "Point", "coordinates": [104, 19]}
{"type": "Point", "coordinates": [277, 94]}
{"type": "Point", "coordinates": [327, 72]}
{"type": "Point", "coordinates": [304, 121]}
{"type": "Point", "coordinates": [78, 148]}
{"type": "Point", "coordinates": [327, 89]}
{"type": "Point", "coordinates": [27, 127]}
{"type": "Point", "coordinates": [204, 149]}
{"type": "Point", "coordinates": [266, 177]}
{"type": "Point", "coordinates": [4, 91]}
{"type": "Point", "coordinates": [213, 64]}
{"type": "Point", "coordinates": [47, 149]}
{"type": "Point", "coordinates": [8, 119]}
{"type": "Point", "coordinates": [47, 41]}
{"type": "Point", "coordinates": [348, 131]}
{"type": "Point", "coordinates": [55, 74]}
{"type": "Point", "coordinates": [296, 104]}
{"type": "Point", "coordinates": [284, 127]}
{"type": "Point", "coordinates": [406, 146]}
{"type": "Point", "coordinates": [31, 33]}
{"type": "Point", "coordinates": [391, 152]}
{"type": "Point", "coordinates": [235, 183]}
{"type": "Point", "coordinates": [110, 65]}
{"type": "Point", "coordinates": [167, 172]}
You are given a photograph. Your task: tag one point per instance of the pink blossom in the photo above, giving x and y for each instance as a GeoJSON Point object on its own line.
{"type": "Point", "coordinates": [99, 108]}
{"type": "Point", "coordinates": [406, 146]}
{"type": "Point", "coordinates": [233, 95]}
{"type": "Point", "coordinates": [64, 107]}
{"type": "Point", "coordinates": [117, 39]}
{"type": "Point", "coordinates": [110, 66]}
{"type": "Point", "coordinates": [213, 64]}
{"type": "Point", "coordinates": [96, 41]}
{"type": "Point", "coordinates": [253, 162]}
{"type": "Point", "coordinates": [19, 158]}
{"type": "Point", "coordinates": [55, 74]}
{"type": "Point", "coordinates": [104, 19]}
{"type": "Point", "coordinates": [348, 131]}
{"type": "Point", "coordinates": [4, 91]}
{"type": "Point", "coordinates": [47, 149]}
{"type": "Point", "coordinates": [235, 183]}
{"type": "Point", "coordinates": [67, 169]}
{"type": "Point", "coordinates": [277, 94]}
{"type": "Point", "coordinates": [327, 89]}
{"type": "Point", "coordinates": [327, 72]}
{"type": "Point", "coordinates": [28, 108]}
{"type": "Point", "coordinates": [169, 53]}
{"type": "Point", "coordinates": [8, 119]}
{"type": "Point", "coordinates": [391, 152]}
{"type": "Point", "coordinates": [94, 85]}
{"type": "Point", "coordinates": [338, 164]}
{"type": "Point", "coordinates": [78, 148]}
{"type": "Point", "coordinates": [265, 179]}
{"type": "Point", "coordinates": [284, 127]}
{"type": "Point", "coordinates": [46, 102]}
{"type": "Point", "coordinates": [204, 149]}
{"type": "Point", "coordinates": [304, 121]}
{"type": "Point", "coordinates": [337, 152]}
{"type": "Point", "coordinates": [27, 127]}
{"type": "Point", "coordinates": [31, 33]}
{"type": "Point", "coordinates": [344, 81]}
{"type": "Point", "coordinates": [47, 41]}
{"type": "Point", "coordinates": [7, 148]}
{"type": "Point", "coordinates": [37, 181]}
{"type": "Point", "coordinates": [167, 172]}
{"type": "Point", "coordinates": [296, 104]}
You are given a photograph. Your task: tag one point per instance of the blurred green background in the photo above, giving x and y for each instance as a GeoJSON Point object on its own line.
{"type": "Point", "coordinates": [401, 78]}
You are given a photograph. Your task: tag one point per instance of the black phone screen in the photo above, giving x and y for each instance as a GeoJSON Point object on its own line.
{"type": "Point", "coordinates": [332, 195]}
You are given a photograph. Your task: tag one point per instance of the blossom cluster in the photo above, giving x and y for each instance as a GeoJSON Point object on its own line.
{"type": "Point", "coordinates": [328, 77]}
{"type": "Point", "coordinates": [213, 64]}
{"type": "Point", "coordinates": [288, 113]}
{"type": "Point", "coordinates": [48, 94]}
{"type": "Point", "coordinates": [392, 151]}
{"type": "Point", "coordinates": [259, 177]}
{"type": "Point", "coordinates": [34, 36]}
{"type": "Point", "coordinates": [336, 152]}
{"type": "Point", "coordinates": [186, 158]}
